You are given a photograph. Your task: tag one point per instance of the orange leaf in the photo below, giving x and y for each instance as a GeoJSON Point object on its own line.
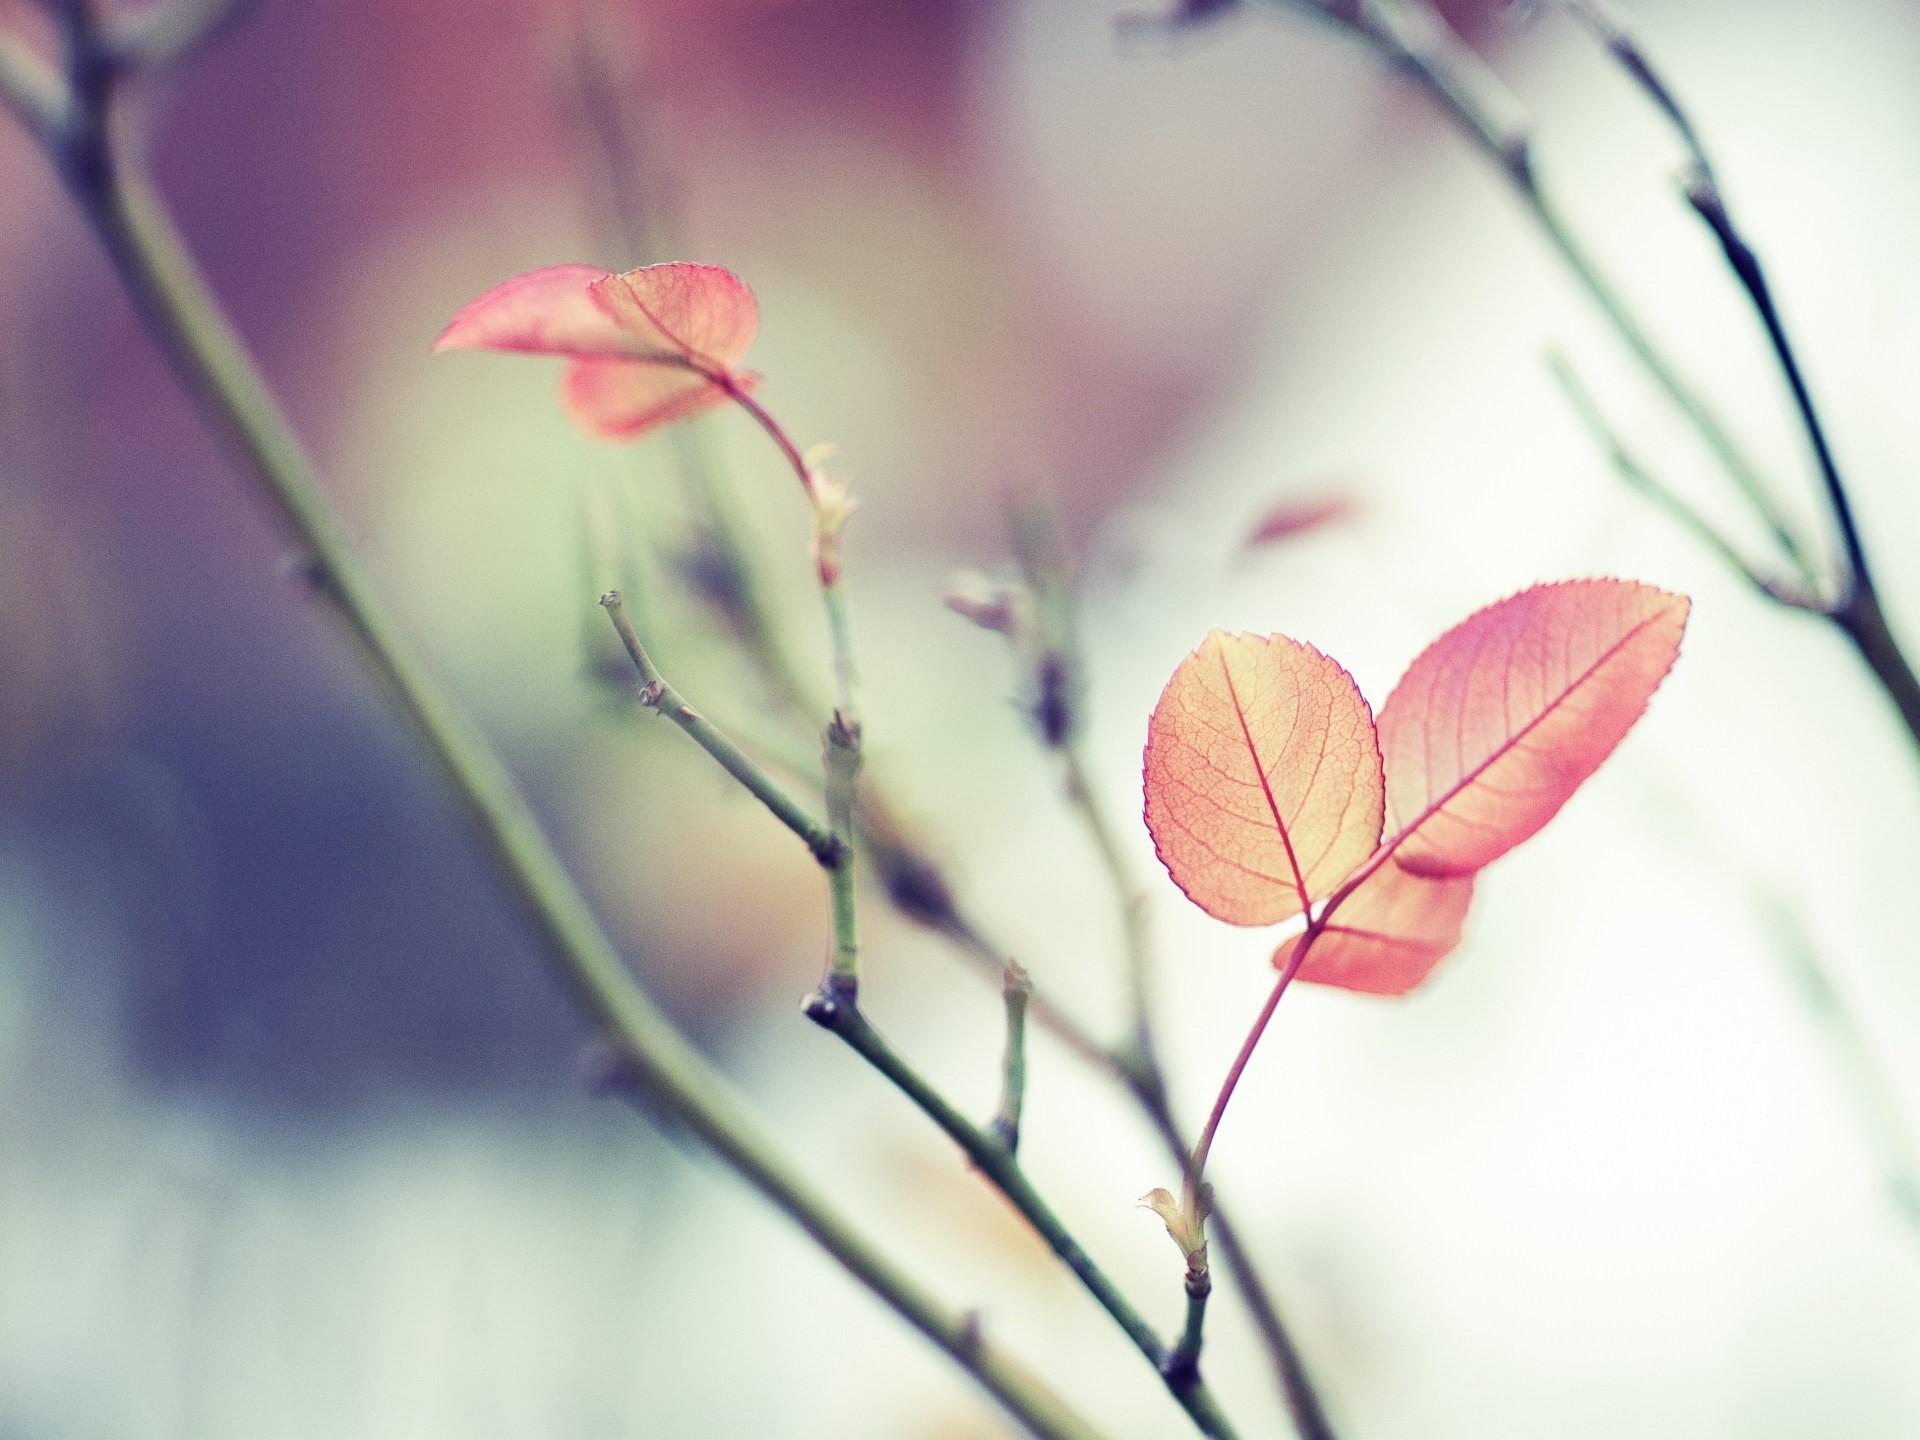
{"type": "Point", "coordinates": [651, 346]}
{"type": "Point", "coordinates": [1500, 719]}
{"type": "Point", "coordinates": [1263, 778]}
{"type": "Point", "coordinates": [1387, 937]}
{"type": "Point", "coordinates": [698, 314]}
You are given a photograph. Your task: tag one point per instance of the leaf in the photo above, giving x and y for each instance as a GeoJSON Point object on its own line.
{"type": "Point", "coordinates": [649, 347]}
{"type": "Point", "coordinates": [700, 315]}
{"type": "Point", "coordinates": [1500, 719]}
{"type": "Point", "coordinates": [1388, 935]}
{"type": "Point", "coordinates": [1292, 517]}
{"type": "Point", "coordinates": [623, 399]}
{"type": "Point", "coordinates": [1263, 780]}
{"type": "Point", "coordinates": [545, 312]}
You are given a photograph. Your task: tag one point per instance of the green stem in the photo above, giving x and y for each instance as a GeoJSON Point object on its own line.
{"type": "Point", "coordinates": [1017, 990]}
{"type": "Point", "coordinates": [843, 769]}
{"type": "Point", "coordinates": [835, 1008]}
{"type": "Point", "coordinates": [660, 696]}
{"type": "Point", "coordinates": [1182, 1367]}
{"type": "Point", "coordinates": [187, 323]}
{"type": "Point", "coordinates": [1297, 1387]}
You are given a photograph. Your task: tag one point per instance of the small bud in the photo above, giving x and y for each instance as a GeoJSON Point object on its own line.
{"type": "Point", "coordinates": [992, 605]}
{"type": "Point", "coordinates": [1188, 1229]}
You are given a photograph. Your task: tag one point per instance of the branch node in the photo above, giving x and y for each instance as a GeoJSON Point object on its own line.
{"type": "Point", "coordinates": [835, 1003]}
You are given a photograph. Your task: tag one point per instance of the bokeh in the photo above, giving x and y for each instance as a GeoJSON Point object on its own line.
{"type": "Point", "coordinates": [296, 1134]}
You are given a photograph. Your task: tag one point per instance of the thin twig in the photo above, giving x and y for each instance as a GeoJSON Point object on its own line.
{"type": "Point", "coordinates": [1875, 1099]}
{"type": "Point", "coordinates": [1856, 608]}
{"type": "Point", "coordinates": [660, 696]}
{"type": "Point", "coordinates": [1043, 629]}
{"type": "Point", "coordinates": [1017, 991]}
{"type": "Point", "coordinates": [835, 1008]}
{"type": "Point", "coordinates": [1418, 45]}
{"type": "Point", "coordinates": [1702, 189]}
{"type": "Point", "coordinates": [192, 331]}
{"type": "Point", "coordinates": [1643, 480]}
{"type": "Point", "coordinates": [834, 1011]}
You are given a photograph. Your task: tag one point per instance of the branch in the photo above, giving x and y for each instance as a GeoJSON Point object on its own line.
{"type": "Point", "coordinates": [1656, 490]}
{"type": "Point", "coordinates": [835, 1006]}
{"type": "Point", "coordinates": [1703, 193]}
{"type": "Point", "coordinates": [32, 90]}
{"type": "Point", "coordinates": [190, 328]}
{"type": "Point", "coordinates": [659, 696]}
{"type": "Point", "coordinates": [1418, 45]}
{"type": "Point", "coordinates": [835, 1010]}
{"type": "Point", "coordinates": [1017, 991]}
{"type": "Point", "coordinates": [1856, 609]}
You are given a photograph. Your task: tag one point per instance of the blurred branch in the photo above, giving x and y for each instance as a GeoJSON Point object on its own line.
{"type": "Point", "coordinates": [162, 34]}
{"type": "Point", "coordinates": [1418, 44]}
{"type": "Point", "coordinates": [187, 323]}
{"type": "Point", "coordinates": [1875, 1100]}
{"type": "Point", "coordinates": [32, 90]}
{"type": "Point", "coordinates": [1856, 608]}
{"type": "Point", "coordinates": [1643, 480]}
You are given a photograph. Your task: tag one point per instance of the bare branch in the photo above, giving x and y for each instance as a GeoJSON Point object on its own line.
{"type": "Point", "coordinates": [32, 90]}
{"type": "Point", "coordinates": [1631, 470]}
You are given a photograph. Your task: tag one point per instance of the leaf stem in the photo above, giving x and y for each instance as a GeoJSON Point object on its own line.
{"type": "Point", "coordinates": [1197, 1165]}
{"type": "Point", "coordinates": [188, 325]}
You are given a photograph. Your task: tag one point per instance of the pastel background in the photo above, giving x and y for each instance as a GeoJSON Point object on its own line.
{"type": "Point", "coordinates": [294, 1140]}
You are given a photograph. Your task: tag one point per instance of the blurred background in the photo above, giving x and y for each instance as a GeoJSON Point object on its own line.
{"type": "Point", "coordinates": [294, 1138]}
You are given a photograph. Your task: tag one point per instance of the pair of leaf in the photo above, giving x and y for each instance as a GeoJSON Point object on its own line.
{"type": "Point", "coordinates": [649, 347]}
{"type": "Point", "coordinates": [1269, 786]}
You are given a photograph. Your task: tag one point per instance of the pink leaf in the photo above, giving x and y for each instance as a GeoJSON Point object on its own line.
{"type": "Point", "coordinates": [695, 314]}
{"type": "Point", "coordinates": [650, 347]}
{"type": "Point", "coordinates": [620, 399]}
{"type": "Point", "coordinates": [546, 312]}
{"type": "Point", "coordinates": [1388, 935]}
{"type": "Point", "coordinates": [1297, 516]}
{"type": "Point", "coordinates": [1263, 779]}
{"type": "Point", "coordinates": [1500, 719]}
